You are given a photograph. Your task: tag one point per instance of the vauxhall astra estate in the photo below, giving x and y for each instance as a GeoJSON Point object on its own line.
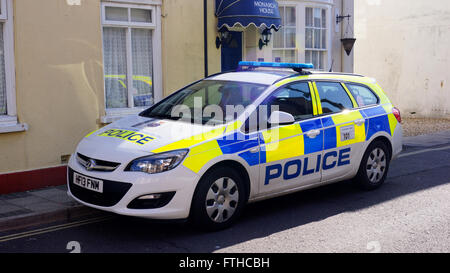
{"type": "Point", "coordinates": [263, 131]}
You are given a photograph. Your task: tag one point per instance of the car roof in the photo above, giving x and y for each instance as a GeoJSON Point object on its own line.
{"type": "Point", "coordinates": [270, 77]}
{"type": "Point", "coordinates": [258, 77]}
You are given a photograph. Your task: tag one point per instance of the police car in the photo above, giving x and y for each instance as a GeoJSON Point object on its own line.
{"type": "Point", "coordinates": [266, 130]}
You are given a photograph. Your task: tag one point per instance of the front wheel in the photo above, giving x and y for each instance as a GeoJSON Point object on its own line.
{"type": "Point", "coordinates": [219, 199]}
{"type": "Point", "coordinates": [374, 166]}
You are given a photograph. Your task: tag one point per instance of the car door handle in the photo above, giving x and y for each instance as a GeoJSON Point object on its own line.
{"type": "Point", "coordinates": [360, 122]}
{"type": "Point", "coordinates": [313, 133]}
{"type": "Point", "coordinates": [254, 150]}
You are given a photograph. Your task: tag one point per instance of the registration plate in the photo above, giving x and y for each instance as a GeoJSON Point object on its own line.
{"type": "Point", "coordinates": [88, 183]}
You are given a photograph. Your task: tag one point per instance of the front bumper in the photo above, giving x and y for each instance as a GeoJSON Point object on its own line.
{"type": "Point", "coordinates": [121, 188]}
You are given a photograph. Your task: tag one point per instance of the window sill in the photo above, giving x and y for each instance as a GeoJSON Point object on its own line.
{"type": "Point", "coordinates": [9, 124]}
{"type": "Point", "coordinates": [116, 114]}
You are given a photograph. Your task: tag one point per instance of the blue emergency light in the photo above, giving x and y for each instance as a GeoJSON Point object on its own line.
{"type": "Point", "coordinates": [294, 66]}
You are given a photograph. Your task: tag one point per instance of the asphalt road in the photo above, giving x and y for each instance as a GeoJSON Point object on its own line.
{"type": "Point", "coordinates": [410, 213]}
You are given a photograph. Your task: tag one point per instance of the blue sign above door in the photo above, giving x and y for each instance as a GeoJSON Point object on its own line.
{"type": "Point", "coordinates": [242, 13]}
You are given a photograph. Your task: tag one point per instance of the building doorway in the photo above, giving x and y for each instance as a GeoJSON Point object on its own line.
{"type": "Point", "coordinates": [232, 52]}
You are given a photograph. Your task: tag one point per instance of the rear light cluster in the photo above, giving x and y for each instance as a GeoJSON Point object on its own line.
{"type": "Point", "coordinates": [397, 114]}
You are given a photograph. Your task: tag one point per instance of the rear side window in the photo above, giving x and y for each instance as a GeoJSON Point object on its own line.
{"type": "Point", "coordinates": [363, 95]}
{"type": "Point", "coordinates": [333, 97]}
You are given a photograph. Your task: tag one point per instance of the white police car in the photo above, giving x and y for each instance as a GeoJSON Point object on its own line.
{"type": "Point", "coordinates": [266, 130]}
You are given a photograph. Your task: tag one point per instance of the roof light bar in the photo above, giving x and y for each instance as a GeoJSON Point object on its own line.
{"type": "Point", "coordinates": [295, 66]}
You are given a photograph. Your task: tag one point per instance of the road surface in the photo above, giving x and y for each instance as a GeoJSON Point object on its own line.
{"type": "Point", "coordinates": [410, 213]}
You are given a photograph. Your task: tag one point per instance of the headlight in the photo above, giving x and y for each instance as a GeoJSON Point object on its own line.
{"type": "Point", "coordinates": [157, 163]}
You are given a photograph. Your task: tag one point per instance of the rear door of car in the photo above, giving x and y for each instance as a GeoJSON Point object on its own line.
{"type": "Point", "coordinates": [344, 130]}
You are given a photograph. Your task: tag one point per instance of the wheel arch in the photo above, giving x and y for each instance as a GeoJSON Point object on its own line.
{"type": "Point", "coordinates": [235, 165]}
{"type": "Point", "coordinates": [386, 141]}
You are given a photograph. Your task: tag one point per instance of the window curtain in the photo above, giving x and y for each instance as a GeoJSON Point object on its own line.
{"type": "Point", "coordinates": [142, 52]}
{"type": "Point", "coordinates": [2, 74]}
{"type": "Point", "coordinates": [115, 67]}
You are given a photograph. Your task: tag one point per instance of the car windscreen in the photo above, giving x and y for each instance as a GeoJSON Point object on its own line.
{"type": "Point", "coordinates": [208, 101]}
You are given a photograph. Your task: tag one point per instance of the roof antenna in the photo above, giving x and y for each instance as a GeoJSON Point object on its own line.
{"type": "Point", "coordinates": [331, 68]}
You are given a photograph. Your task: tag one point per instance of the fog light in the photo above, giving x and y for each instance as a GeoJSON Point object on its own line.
{"type": "Point", "coordinates": [150, 196]}
{"type": "Point", "coordinates": [151, 201]}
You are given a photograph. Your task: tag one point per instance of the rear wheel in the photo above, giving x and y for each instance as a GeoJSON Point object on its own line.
{"type": "Point", "coordinates": [219, 199]}
{"type": "Point", "coordinates": [374, 166]}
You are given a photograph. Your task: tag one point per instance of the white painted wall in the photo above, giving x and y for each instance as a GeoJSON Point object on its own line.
{"type": "Point", "coordinates": [405, 45]}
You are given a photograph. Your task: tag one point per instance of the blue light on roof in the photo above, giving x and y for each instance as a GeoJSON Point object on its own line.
{"type": "Point", "coordinates": [275, 65]}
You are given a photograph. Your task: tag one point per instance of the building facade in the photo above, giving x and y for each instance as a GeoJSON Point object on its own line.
{"type": "Point", "coordinates": [404, 45]}
{"type": "Point", "coordinates": [68, 67]}
{"type": "Point", "coordinates": [309, 34]}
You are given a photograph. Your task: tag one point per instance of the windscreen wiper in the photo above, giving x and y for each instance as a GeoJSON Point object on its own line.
{"type": "Point", "coordinates": [163, 116]}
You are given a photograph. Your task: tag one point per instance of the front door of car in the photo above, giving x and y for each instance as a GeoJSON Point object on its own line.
{"type": "Point", "coordinates": [290, 154]}
{"type": "Point", "coordinates": [344, 131]}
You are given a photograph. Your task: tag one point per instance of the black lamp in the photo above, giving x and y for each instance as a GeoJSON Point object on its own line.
{"type": "Point", "coordinates": [348, 44]}
{"type": "Point", "coordinates": [266, 35]}
{"type": "Point", "coordinates": [348, 41]}
{"type": "Point", "coordinates": [224, 37]}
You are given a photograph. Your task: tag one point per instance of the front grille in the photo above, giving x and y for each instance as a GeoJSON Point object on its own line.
{"type": "Point", "coordinates": [113, 192]}
{"type": "Point", "coordinates": [92, 164]}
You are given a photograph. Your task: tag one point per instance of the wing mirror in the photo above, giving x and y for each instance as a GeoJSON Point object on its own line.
{"type": "Point", "coordinates": [281, 118]}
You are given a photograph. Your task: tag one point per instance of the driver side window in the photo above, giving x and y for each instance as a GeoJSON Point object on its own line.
{"type": "Point", "coordinates": [294, 99]}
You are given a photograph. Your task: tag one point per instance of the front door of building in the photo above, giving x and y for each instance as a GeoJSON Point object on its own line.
{"type": "Point", "coordinates": [232, 52]}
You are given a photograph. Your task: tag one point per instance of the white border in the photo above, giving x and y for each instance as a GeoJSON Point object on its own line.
{"type": "Point", "coordinates": [129, 23]}
{"type": "Point", "coordinates": [142, 2]}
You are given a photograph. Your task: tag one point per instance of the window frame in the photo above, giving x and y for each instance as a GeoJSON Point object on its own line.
{"type": "Point", "coordinates": [3, 10]}
{"type": "Point", "coordinates": [9, 121]}
{"type": "Point", "coordinates": [297, 32]}
{"type": "Point", "coordinates": [326, 29]}
{"type": "Point", "coordinates": [129, 23]}
{"type": "Point", "coordinates": [113, 114]}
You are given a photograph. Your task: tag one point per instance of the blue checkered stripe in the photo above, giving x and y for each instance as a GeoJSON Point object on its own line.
{"type": "Point", "coordinates": [376, 120]}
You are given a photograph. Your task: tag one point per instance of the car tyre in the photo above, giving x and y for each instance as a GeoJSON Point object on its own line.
{"type": "Point", "coordinates": [219, 199]}
{"type": "Point", "coordinates": [374, 166]}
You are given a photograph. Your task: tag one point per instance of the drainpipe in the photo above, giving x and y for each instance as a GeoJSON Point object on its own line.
{"type": "Point", "coordinates": [205, 34]}
{"type": "Point", "coordinates": [347, 61]}
{"type": "Point", "coordinates": [340, 33]}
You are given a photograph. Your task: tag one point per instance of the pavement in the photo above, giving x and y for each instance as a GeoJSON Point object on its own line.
{"type": "Point", "coordinates": [410, 213]}
{"type": "Point", "coordinates": [37, 207]}
{"type": "Point", "coordinates": [428, 140]}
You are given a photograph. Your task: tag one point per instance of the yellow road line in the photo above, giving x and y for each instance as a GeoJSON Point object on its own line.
{"type": "Point", "coordinates": [52, 228]}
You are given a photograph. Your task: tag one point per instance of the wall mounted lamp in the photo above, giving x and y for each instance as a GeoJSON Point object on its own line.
{"type": "Point", "coordinates": [223, 38]}
{"type": "Point", "coordinates": [266, 35]}
{"type": "Point", "coordinates": [348, 41]}
{"type": "Point", "coordinates": [339, 18]}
